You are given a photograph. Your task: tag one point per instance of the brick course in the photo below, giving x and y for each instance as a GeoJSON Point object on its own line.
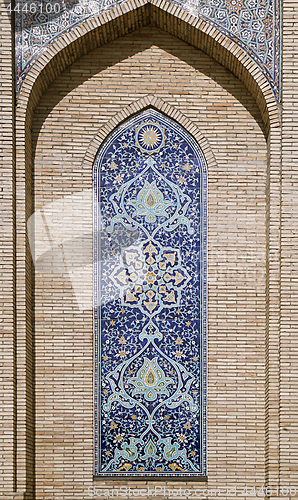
{"type": "Point", "coordinates": [7, 274]}
{"type": "Point", "coordinates": [289, 259]}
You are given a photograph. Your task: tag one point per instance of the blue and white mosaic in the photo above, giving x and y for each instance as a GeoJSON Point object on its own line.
{"type": "Point", "coordinates": [252, 24]}
{"type": "Point", "coordinates": [150, 214]}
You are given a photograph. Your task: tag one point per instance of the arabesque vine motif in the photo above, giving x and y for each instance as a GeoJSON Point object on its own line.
{"type": "Point", "coordinates": [150, 301]}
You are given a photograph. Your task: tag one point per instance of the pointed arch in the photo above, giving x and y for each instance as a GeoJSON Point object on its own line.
{"type": "Point", "coordinates": [132, 15]}
{"type": "Point", "coordinates": [150, 300]}
{"type": "Point", "coordinates": [149, 101]}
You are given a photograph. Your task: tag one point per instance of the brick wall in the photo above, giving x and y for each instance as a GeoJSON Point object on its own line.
{"type": "Point", "coordinates": [7, 275]}
{"type": "Point", "coordinates": [289, 253]}
{"type": "Point", "coordinates": [84, 98]}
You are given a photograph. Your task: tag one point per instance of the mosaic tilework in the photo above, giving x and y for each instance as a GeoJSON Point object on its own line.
{"type": "Point", "coordinates": [150, 301]}
{"type": "Point", "coordinates": [36, 29]}
{"type": "Point", "coordinates": [252, 24]}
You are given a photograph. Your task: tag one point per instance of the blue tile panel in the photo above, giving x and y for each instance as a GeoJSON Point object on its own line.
{"type": "Point", "coordinates": [150, 214]}
{"type": "Point", "coordinates": [252, 24]}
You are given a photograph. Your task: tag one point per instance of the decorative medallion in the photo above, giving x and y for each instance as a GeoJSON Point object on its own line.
{"type": "Point", "coordinates": [151, 277]}
{"type": "Point", "coordinates": [150, 301]}
{"type": "Point", "coordinates": [150, 137]}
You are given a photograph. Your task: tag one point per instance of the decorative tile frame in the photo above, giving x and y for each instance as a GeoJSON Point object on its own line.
{"type": "Point", "coordinates": [254, 25]}
{"type": "Point", "coordinates": [135, 293]}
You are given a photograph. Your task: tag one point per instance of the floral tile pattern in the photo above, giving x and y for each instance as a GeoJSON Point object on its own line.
{"type": "Point", "coordinates": [253, 24]}
{"type": "Point", "coordinates": [150, 271]}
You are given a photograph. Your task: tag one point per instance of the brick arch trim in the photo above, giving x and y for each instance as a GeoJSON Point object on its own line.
{"type": "Point", "coordinates": [132, 15]}
{"type": "Point", "coordinates": [146, 102]}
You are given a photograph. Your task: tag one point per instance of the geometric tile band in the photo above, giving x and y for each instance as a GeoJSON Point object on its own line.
{"type": "Point", "coordinates": [254, 25]}
{"type": "Point", "coordinates": [150, 285]}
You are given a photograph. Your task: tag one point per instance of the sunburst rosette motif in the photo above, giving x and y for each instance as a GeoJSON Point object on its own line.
{"type": "Point", "coordinates": [150, 328]}
{"type": "Point", "coordinates": [150, 137]}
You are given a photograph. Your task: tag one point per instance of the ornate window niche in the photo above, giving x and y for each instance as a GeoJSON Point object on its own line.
{"type": "Point", "coordinates": [150, 304]}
